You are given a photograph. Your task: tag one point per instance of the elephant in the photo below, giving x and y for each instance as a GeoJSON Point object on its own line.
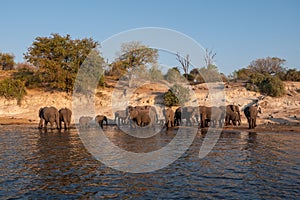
{"type": "Point", "coordinates": [189, 113]}
{"type": "Point", "coordinates": [232, 114]}
{"type": "Point", "coordinates": [169, 117]}
{"type": "Point", "coordinates": [142, 115]}
{"type": "Point", "coordinates": [177, 116]}
{"type": "Point", "coordinates": [160, 114]}
{"type": "Point", "coordinates": [205, 115]}
{"type": "Point", "coordinates": [120, 117]}
{"type": "Point", "coordinates": [100, 119]}
{"type": "Point", "coordinates": [212, 114]}
{"type": "Point", "coordinates": [49, 114]}
{"type": "Point", "coordinates": [65, 116]}
{"type": "Point", "coordinates": [84, 121]}
{"type": "Point", "coordinates": [251, 114]}
{"type": "Point", "coordinates": [217, 116]}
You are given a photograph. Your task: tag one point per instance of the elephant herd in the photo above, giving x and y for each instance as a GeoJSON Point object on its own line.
{"type": "Point", "coordinates": [202, 116]}
{"type": "Point", "coordinates": [54, 116]}
{"type": "Point", "coordinates": [141, 116]}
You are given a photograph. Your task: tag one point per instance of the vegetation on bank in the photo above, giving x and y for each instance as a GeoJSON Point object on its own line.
{"type": "Point", "coordinates": [53, 63]}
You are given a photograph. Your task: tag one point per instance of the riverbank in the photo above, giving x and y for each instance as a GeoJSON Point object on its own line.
{"type": "Point", "coordinates": [276, 112]}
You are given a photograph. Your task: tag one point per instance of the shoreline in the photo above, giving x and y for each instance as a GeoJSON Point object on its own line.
{"type": "Point", "coordinates": [276, 128]}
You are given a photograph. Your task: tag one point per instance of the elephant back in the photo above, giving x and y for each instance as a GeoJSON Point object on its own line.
{"type": "Point", "coordinates": [50, 112]}
{"type": "Point", "coordinates": [65, 112]}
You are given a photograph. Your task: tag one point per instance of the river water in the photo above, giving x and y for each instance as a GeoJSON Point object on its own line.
{"type": "Point", "coordinates": [56, 165]}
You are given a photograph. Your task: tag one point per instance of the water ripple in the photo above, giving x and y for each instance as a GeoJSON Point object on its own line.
{"type": "Point", "coordinates": [55, 165]}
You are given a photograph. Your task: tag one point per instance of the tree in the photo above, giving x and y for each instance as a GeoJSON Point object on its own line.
{"type": "Point", "coordinates": [7, 61]}
{"type": "Point", "coordinates": [58, 59]}
{"type": "Point", "coordinates": [184, 63]}
{"type": "Point", "coordinates": [11, 88]}
{"type": "Point", "coordinates": [136, 55]}
{"type": "Point", "coordinates": [176, 95]}
{"type": "Point", "coordinates": [91, 74]}
{"type": "Point", "coordinates": [243, 74]}
{"type": "Point", "coordinates": [268, 65]}
{"type": "Point", "coordinates": [209, 57]}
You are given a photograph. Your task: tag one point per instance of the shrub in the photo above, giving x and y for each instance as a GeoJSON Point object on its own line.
{"type": "Point", "coordinates": [155, 74]}
{"type": "Point", "coordinates": [176, 95]}
{"type": "Point", "coordinates": [270, 85]}
{"type": "Point", "coordinates": [28, 76]}
{"type": "Point", "coordinates": [292, 75]}
{"type": "Point", "coordinates": [173, 75]}
{"type": "Point", "coordinates": [12, 89]}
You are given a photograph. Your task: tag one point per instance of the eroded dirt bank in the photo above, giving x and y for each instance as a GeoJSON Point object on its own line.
{"type": "Point", "coordinates": [281, 113]}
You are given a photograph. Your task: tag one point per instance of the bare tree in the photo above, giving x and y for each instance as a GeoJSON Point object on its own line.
{"type": "Point", "coordinates": [269, 65]}
{"type": "Point", "coordinates": [184, 62]}
{"type": "Point", "coordinates": [209, 57]}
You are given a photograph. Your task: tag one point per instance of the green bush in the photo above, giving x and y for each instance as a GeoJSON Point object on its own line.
{"type": "Point", "coordinates": [292, 75]}
{"type": "Point", "coordinates": [176, 95]}
{"type": "Point", "coordinates": [155, 74]}
{"type": "Point", "coordinates": [28, 76]}
{"type": "Point", "coordinates": [270, 85]}
{"type": "Point", "coordinates": [12, 89]}
{"type": "Point", "coordinates": [173, 75]}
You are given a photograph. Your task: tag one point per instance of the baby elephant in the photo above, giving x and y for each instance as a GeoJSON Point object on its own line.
{"type": "Point", "coordinates": [100, 119]}
{"type": "Point", "coordinates": [84, 121]}
{"type": "Point", "coordinates": [65, 116]}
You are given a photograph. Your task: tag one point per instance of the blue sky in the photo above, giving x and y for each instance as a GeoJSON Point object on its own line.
{"type": "Point", "coordinates": [239, 31]}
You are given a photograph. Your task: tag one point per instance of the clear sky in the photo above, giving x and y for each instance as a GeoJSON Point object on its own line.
{"type": "Point", "coordinates": [239, 31]}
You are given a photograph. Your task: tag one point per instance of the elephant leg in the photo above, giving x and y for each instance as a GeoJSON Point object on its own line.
{"type": "Point", "coordinates": [51, 124]}
{"type": "Point", "coordinates": [253, 123]}
{"type": "Point", "coordinates": [60, 122]}
{"type": "Point", "coordinates": [234, 122]}
{"type": "Point", "coordinates": [57, 123]}
{"type": "Point", "coordinates": [41, 123]}
{"type": "Point", "coordinates": [249, 122]}
{"type": "Point", "coordinates": [45, 123]}
{"type": "Point", "coordinates": [66, 123]}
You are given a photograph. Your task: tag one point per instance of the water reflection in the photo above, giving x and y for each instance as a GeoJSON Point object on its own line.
{"type": "Point", "coordinates": [38, 164]}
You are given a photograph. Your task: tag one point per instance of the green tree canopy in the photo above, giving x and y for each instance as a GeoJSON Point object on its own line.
{"type": "Point", "coordinates": [136, 55]}
{"type": "Point", "coordinates": [58, 59]}
{"type": "Point", "coordinates": [91, 73]}
{"type": "Point", "coordinates": [7, 61]}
